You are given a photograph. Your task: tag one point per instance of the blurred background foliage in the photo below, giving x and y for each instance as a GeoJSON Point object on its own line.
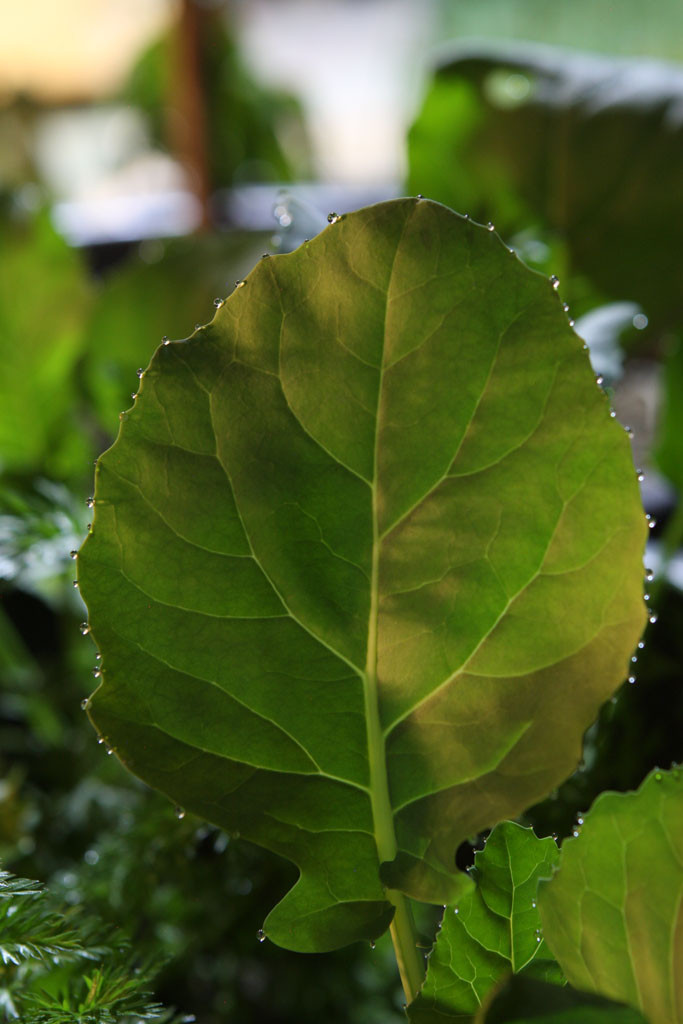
{"type": "Point", "coordinates": [575, 156]}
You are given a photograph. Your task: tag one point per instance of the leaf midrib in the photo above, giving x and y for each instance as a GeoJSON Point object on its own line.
{"type": "Point", "coordinates": [382, 812]}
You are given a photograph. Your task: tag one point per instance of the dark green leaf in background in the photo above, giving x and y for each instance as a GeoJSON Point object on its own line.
{"type": "Point", "coordinates": [163, 290]}
{"type": "Point", "coordinates": [44, 303]}
{"type": "Point", "coordinates": [587, 148]}
{"type": "Point", "coordinates": [365, 561]}
{"type": "Point", "coordinates": [613, 913]}
{"type": "Point", "coordinates": [525, 999]}
{"type": "Point", "coordinates": [494, 930]}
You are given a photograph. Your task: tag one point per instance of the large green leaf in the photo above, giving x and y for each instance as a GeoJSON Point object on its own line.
{"type": "Point", "coordinates": [613, 913]}
{"type": "Point", "coordinates": [494, 930]}
{"type": "Point", "coordinates": [588, 148]}
{"type": "Point", "coordinates": [366, 559]}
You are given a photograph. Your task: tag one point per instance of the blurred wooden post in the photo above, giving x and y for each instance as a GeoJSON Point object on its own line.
{"type": "Point", "coordinates": [189, 127]}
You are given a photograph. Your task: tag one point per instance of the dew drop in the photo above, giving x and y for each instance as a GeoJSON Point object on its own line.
{"type": "Point", "coordinates": [575, 833]}
{"type": "Point", "coordinates": [634, 658]}
{"type": "Point", "coordinates": [240, 284]}
{"type": "Point", "coordinates": [85, 702]}
{"type": "Point", "coordinates": [466, 216]}
{"type": "Point", "coordinates": [599, 381]}
{"type": "Point", "coordinates": [133, 395]}
{"type": "Point", "coordinates": [658, 776]}
{"type": "Point", "coordinates": [631, 680]}
{"type": "Point", "coordinates": [100, 739]}
{"type": "Point", "coordinates": [640, 476]}
{"type": "Point", "coordinates": [98, 656]}
{"type": "Point", "coordinates": [261, 935]}
{"type": "Point", "coordinates": [565, 307]}
{"type": "Point", "coordinates": [218, 303]}
{"type": "Point", "coordinates": [490, 226]}
{"type": "Point", "coordinates": [572, 322]}
{"type": "Point", "coordinates": [179, 813]}
{"type": "Point", "coordinates": [84, 628]}
{"type": "Point", "coordinates": [533, 903]}
{"type": "Point", "coordinates": [110, 751]}
{"type": "Point", "coordinates": [97, 672]}
{"type": "Point", "coordinates": [649, 575]}
{"type": "Point", "coordinates": [332, 218]}
{"type": "Point", "coordinates": [197, 327]}
{"type": "Point", "coordinates": [629, 432]}
{"type": "Point", "coordinates": [372, 944]}
{"type": "Point", "coordinates": [165, 340]}
{"type": "Point", "coordinates": [419, 196]}
{"type": "Point", "coordinates": [579, 820]}
{"type": "Point", "coordinates": [456, 910]}
{"type": "Point", "coordinates": [653, 618]}
{"type": "Point", "coordinates": [140, 372]}
{"type": "Point", "coordinates": [555, 281]}
{"type": "Point", "coordinates": [651, 521]}
{"type": "Point", "coordinates": [612, 413]}
{"type": "Point", "coordinates": [538, 938]}
{"type": "Point", "coordinates": [554, 836]}
{"type": "Point", "coordinates": [73, 554]}
{"type": "Point", "coordinates": [75, 584]}
{"type": "Point", "coordinates": [90, 502]}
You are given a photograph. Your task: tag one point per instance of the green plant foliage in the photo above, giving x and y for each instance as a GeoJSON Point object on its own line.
{"type": "Point", "coordinates": [365, 561]}
{"type": "Point", "coordinates": [521, 998]}
{"type": "Point", "coordinates": [44, 301]}
{"type": "Point", "coordinates": [587, 148]}
{"type": "Point", "coordinates": [495, 929]}
{"type": "Point", "coordinates": [612, 914]}
{"type": "Point", "coordinates": [45, 954]}
{"type": "Point", "coordinates": [142, 301]}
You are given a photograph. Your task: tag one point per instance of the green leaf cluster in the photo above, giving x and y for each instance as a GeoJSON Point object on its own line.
{"type": "Point", "coordinates": [59, 967]}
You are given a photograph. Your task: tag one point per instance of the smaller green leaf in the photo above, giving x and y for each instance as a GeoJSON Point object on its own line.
{"type": "Point", "coordinates": [521, 999]}
{"type": "Point", "coordinates": [613, 912]}
{"type": "Point", "coordinates": [494, 929]}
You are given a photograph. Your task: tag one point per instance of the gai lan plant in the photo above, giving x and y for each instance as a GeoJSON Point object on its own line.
{"type": "Point", "coordinates": [365, 561]}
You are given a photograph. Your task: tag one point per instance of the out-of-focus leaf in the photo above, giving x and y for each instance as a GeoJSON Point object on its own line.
{"type": "Point", "coordinates": [602, 329]}
{"type": "Point", "coordinates": [521, 998]}
{"type": "Point", "coordinates": [366, 559]}
{"type": "Point", "coordinates": [494, 929]}
{"type": "Point", "coordinates": [669, 451]}
{"type": "Point", "coordinates": [38, 528]}
{"type": "Point", "coordinates": [588, 147]}
{"type": "Point", "coordinates": [613, 913]}
{"type": "Point", "coordinates": [254, 133]}
{"type": "Point", "coordinates": [44, 301]}
{"type": "Point", "coordinates": [143, 301]}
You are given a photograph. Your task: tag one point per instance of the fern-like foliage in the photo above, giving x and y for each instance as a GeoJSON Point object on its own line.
{"type": "Point", "coordinates": [61, 967]}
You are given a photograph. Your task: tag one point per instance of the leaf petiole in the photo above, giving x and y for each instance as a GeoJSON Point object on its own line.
{"type": "Point", "coordinates": [411, 965]}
